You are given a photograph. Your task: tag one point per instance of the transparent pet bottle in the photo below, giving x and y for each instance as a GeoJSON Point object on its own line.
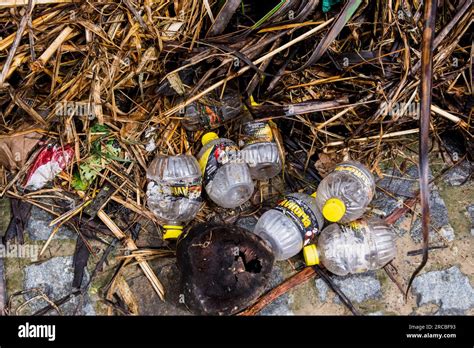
{"type": "Point", "coordinates": [211, 113]}
{"type": "Point", "coordinates": [288, 227]}
{"type": "Point", "coordinates": [174, 191]}
{"type": "Point", "coordinates": [346, 192]}
{"type": "Point", "coordinates": [226, 178]}
{"type": "Point", "coordinates": [260, 151]}
{"type": "Point", "coordinates": [360, 246]}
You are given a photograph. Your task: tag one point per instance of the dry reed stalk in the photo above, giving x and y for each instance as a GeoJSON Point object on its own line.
{"type": "Point", "coordinates": [130, 244]}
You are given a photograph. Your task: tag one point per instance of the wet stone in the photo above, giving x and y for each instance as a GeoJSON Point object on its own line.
{"type": "Point", "coordinates": [459, 174]}
{"type": "Point", "coordinates": [401, 186]}
{"type": "Point", "coordinates": [247, 222]}
{"type": "Point", "coordinates": [280, 306]}
{"type": "Point", "coordinates": [449, 289]}
{"type": "Point", "coordinates": [54, 278]}
{"type": "Point", "coordinates": [438, 219]}
{"type": "Point", "coordinates": [357, 287]}
{"type": "Point", "coordinates": [38, 226]}
{"type": "Point", "coordinates": [148, 300]}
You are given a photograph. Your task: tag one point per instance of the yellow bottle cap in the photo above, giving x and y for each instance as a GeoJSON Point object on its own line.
{"type": "Point", "coordinates": [172, 231]}
{"type": "Point", "coordinates": [314, 194]}
{"type": "Point", "coordinates": [253, 102]}
{"type": "Point", "coordinates": [310, 253]}
{"type": "Point", "coordinates": [208, 137]}
{"type": "Point", "coordinates": [334, 209]}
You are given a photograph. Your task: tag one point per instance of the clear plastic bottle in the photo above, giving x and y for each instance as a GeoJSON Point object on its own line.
{"type": "Point", "coordinates": [260, 151]}
{"type": "Point", "coordinates": [290, 225]}
{"type": "Point", "coordinates": [211, 113]}
{"type": "Point", "coordinates": [360, 246]}
{"type": "Point", "coordinates": [174, 191]}
{"type": "Point", "coordinates": [227, 179]}
{"type": "Point", "coordinates": [344, 194]}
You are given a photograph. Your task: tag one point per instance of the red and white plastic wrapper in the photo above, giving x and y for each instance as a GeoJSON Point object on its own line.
{"type": "Point", "coordinates": [51, 161]}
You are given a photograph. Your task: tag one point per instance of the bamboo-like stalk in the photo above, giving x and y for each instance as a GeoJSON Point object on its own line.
{"type": "Point", "coordinates": [65, 34]}
{"type": "Point", "coordinates": [459, 121]}
{"type": "Point", "coordinates": [13, 3]}
{"type": "Point", "coordinates": [130, 244]}
{"type": "Point", "coordinates": [6, 42]}
{"type": "Point", "coordinates": [19, 34]}
{"type": "Point", "coordinates": [246, 68]}
{"type": "Point", "coordinates": [375, 137]}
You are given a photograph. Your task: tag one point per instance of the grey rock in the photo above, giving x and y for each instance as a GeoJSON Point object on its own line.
{"type": "Point", "coordinates": [38, 226]}
{"type": "Point", "coordinates": [148, 300]}
{"type": "Point", "coordinates": [280, 306]}
{"type": "Point", "coordinates": [447, 232]}
{"type": "Point", "coordinates": [438, 218]}
{"type": "Point", "coordinates": [459, 174]}
{"type": "Point", "coordinates": [322, 288]}
{"type": "Point", "coordinates": [247, 222]}
{"type": "Point", "coordinates": [54, 278]}
{"type": "Point", "coordinates": [357, 287]}
{"type": "Point", "coordinates": [401, 185]}
{"type": "Point", "coordinates": [449, 289]}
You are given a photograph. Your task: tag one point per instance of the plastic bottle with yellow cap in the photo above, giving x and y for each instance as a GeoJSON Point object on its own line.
{"type": "Point", "coordinates": [360, 246]}
{"type": "Point", "coordinates": [345, 193]}
{"type": "Point", "coordinates": [291, 226]}
{"type": "Point", "coordinates": [174, 191]}
{"type": "Point", "coordinates": [226, 177]}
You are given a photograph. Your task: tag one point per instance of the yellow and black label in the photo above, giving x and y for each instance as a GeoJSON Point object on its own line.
{"type": "Point", "coordinates": [359, 228]}
{"type": "Point", "coordinates": [302, 215]}
{"type": "Point", "coordinates": [215, 157]}
{"type": "Point", "coordinates": [256, 132]}
{"type": "Point", "coordinates": [366, 179]}
{"type": "Point", "coordinates": [181, 189]}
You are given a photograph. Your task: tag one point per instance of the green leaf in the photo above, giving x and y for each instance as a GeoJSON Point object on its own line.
{"type": "Point", "coordinates": [268, 15]}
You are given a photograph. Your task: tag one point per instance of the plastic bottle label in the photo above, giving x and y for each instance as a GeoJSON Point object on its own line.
{"type": "Point", "coordinates": [256, 132]}
{"type": "Point", "coordinates": [190, 190]}
{"type": "Point", "coordinates": [215, 157]}
{"type": "Point", "coordinates": [367, 180]}
{"type": "Point", "coordinates": [359, 228]}
{"type": "Point", "coordinates": [302, 215]}
{"type": "Point", "coordinates": [209, 115]}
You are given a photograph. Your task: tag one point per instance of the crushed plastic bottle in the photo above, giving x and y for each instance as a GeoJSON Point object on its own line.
{"type": "Point", "coordinates": [174, 191]}
{"type": "Point", "coordinates": [291, 225]}
{"type": "Point", "coordinates": [344, 194]}
{"type": "Point", "coordinates": [211, 113]}
{"type": "Point", "coordinates": [260, 151]}
{"type": "Point", "coordinates": [226, 178]}
{"type": "Point", "coordinates": [49, 162]}
{"type": "Point", "coordinates": [360, 246]}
